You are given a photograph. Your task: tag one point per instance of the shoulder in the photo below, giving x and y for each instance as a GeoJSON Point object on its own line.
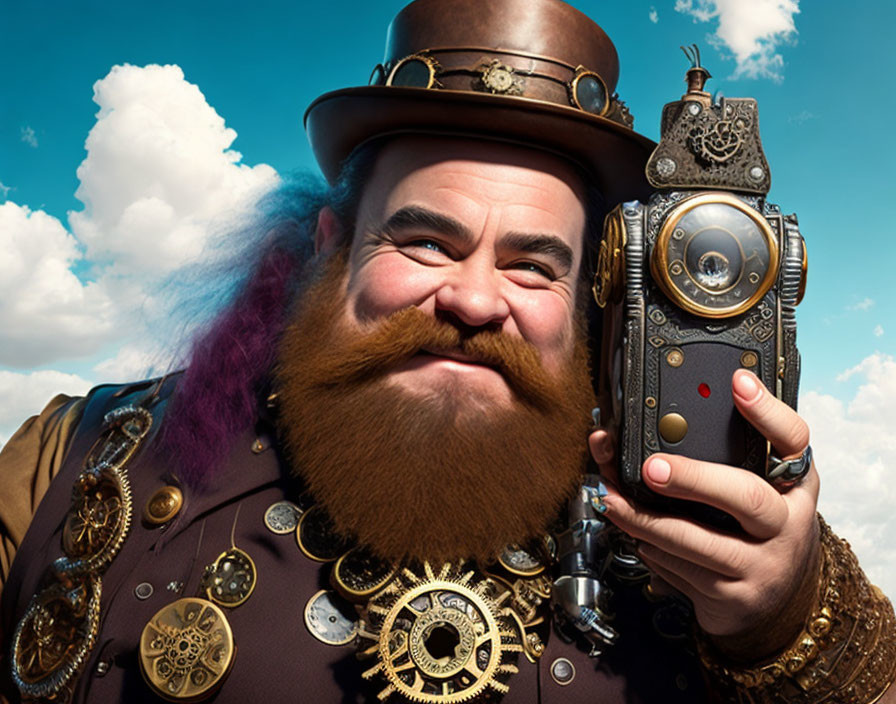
{"type": "Point", "coordinates": [34, 454]}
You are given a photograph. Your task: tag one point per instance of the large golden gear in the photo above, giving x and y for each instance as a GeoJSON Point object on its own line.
{"type": "Point", "coordinates": [441, 638]}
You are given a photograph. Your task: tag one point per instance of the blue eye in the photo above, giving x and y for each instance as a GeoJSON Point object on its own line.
{"type": "Point", "coordinates": [431, 245]}
{"type": "Point", "coordinates": [535, 269]}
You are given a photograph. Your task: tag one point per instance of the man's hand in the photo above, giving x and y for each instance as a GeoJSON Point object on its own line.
{"type": "Point", "coordinates": [739, 584]}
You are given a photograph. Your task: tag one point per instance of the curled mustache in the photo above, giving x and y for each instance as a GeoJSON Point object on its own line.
{"type": "Point", "coordinates": [410, 331]}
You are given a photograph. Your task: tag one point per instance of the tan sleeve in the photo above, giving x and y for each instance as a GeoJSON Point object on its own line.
{"type": "Point", "coordinates": [28, 461]}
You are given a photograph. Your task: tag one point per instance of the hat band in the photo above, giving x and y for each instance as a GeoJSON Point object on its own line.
{"type": "Point", "coordinates": [506, 73]}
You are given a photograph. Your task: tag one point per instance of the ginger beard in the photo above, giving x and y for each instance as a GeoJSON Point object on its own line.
{"type": "Point", "coordinates": [435, 477]}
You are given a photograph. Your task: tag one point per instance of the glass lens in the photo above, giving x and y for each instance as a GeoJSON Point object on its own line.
{"type": "Point", "coordinates": [413, 73]}
{"type": "Point", "coordinates": [714, 259]}
{"type": "Point", "coordinates": [590, 94]}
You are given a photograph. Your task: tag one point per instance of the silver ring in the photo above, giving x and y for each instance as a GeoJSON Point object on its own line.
{"type": "Point", "coordinates": [787, 473]}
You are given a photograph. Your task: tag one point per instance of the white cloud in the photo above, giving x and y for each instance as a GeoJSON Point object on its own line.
{"type": "Point", "coordinates": [45, 310]}
{"type": "Point", "coordinates": [133, 361]}
{"type": "Point", "coordinates": [878, 330]}
{"type": "Point", "coordinates": [653, 15]}
{"type": "Point", "coordinates": [159, 171]}
{"type": "Point", "coordinates": [865, 304]}
{"type": "Point", "coordinates": [24, 395]}
{"type": "Point", "coordinates": [855, 452]}
{"type": "Point", "coordinates": [28, 136]}
{"type": "Point", "coordinates": [751, 31]}
{"type": "Point", "coordinates": [158, 180]}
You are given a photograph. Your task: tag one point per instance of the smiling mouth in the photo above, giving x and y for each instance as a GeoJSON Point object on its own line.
{"type": "Point", "coordinates": [455, 355]}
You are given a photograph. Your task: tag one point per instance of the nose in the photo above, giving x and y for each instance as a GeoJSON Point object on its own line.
{"type": "Point", "coordinates": [473, 295]}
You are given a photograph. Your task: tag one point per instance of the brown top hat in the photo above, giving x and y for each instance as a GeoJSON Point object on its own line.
{"type": "Point", "coordinates": [533, 72]}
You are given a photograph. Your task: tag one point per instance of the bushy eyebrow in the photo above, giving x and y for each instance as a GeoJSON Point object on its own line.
{"type": "Point", "coordinates": [413, 217]}
{"type": "Point", "coordinates": [548, 245]}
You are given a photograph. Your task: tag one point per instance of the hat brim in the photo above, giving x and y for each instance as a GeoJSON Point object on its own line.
{"type": "Point", "coordinates": [340, 121]}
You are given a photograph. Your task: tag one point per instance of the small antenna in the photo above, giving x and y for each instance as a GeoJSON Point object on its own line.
{"type": "Point", "coordinates": [697, 75]}
{"type": "Point", "coordinates": [693, 54]}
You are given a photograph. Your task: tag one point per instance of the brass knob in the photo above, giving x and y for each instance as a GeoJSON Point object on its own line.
{"type": "Point", "coordinates": [163, 505]}
{"type": "Point", "coordinates": [673, 427]}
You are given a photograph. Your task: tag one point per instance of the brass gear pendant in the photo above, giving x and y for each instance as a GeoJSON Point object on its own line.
{"type": "Point", "coordinates": [441, 638]}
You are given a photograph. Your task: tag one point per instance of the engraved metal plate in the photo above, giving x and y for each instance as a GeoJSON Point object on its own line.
{"type": "Point", "coordinates": [282, 517]}
{"type": "Point", "coordinates": [328, 620]}
{"type": "Point", "coordinates": [317, 538]}
{"type": "Point", "coordinates": [186, 650]}
{"type": "Point", "coordinates": [230, 579]}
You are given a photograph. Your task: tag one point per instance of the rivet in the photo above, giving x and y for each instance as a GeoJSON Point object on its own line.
{"type": "Point", "coordinates": [673, 427]}
{"type": "Point", "coordinates": [257, 446]}
{"type": "Point", "coordinates": [563, 671]}
{"type": "Point", "coordinates": [143, 591]}
{"type": "Point", "coordinates": [650, 402]}
{"type": "Point", "coordinates": [102, 667]}
{"type": "Point", "coordinates": [749, 359]}
{"type": "Point", "coordinates": [163, 505]}
{"type": "Point", "coordinates": [675, 357]}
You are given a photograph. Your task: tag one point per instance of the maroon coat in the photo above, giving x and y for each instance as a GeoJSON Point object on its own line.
{"type": "Point", "coordinates": [277, 659]}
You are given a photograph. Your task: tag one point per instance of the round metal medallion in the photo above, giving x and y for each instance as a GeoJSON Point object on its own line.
{"type": "Point", "coordinates": [230, 580]}
{"type": "Point", "coordinates": [98, 520]}
{"type": "Point", "coordinates": [282, 517]}
{"type": "Point", "coordinates": [358, 574]}
{"type": "Point", "coordinates": [317, 538]}
{"type": "Point", "coordinates": [328, 620]}
{"type": "Point", "coordinates": [186, 650]}
{"type": "Point", "coordinates": [54, 637]}
{"type": "Point", "coordinates": [163, 505]}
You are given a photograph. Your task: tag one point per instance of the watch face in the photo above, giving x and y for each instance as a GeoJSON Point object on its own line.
{"type": "Point", "coordinates": [715, 256]}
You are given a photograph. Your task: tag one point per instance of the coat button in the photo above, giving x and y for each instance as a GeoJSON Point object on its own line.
{"type": "Point", "coordinates": [562, 671]}
{"type": "Point", "coordinates": [143, 590]}
{"type": "Point", "coordinates": [102, 667]}
{"type": "Point", "coordinates": [163, 505]}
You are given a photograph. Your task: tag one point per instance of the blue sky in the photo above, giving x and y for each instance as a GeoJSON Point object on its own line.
{"type": "Point", "coordinates": [822, 73]}
{"type": "Point", "coordinates": [825, 123]}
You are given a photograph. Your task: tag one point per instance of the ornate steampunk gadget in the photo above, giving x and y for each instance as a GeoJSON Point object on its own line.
{"type": "Point", "coordinates": [442, 637]}
{"type": "Point", "coordinates": [701, 280]}
{"type": "Point", "coordinates": [187, 649]}
{"type": "Point", "coordinates": [56, 635]}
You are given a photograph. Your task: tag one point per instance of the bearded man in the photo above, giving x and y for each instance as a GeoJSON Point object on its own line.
{"type": "Point", "coordinates": [352, 492]}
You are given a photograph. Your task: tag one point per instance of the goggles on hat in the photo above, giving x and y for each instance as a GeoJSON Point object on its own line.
{"type": "Point", "coordinates": [584, 89]}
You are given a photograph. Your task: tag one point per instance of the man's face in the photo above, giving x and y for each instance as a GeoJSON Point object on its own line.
{"type": "Point", "coordinates": [482, 235]}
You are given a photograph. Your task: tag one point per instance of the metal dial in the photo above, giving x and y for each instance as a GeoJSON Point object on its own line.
{"type": "Point", "coordinates": [327, 619]}
{"type": "Point", "coordinates": [186, 650]}
{"type": "Point", "coordinates": [715, 256]}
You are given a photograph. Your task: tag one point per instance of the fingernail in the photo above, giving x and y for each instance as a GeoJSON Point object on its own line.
{"type": "Point", "coordinates": [746, 387]}
{"type": "Point", "coordinates": [659, 471]}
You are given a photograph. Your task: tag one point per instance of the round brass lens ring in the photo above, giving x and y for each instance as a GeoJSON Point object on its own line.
{"type": "Point", "coordinates": [574, 85]}
{"type": "Point", "coordinates": [659, 261]}
{"type": "Point", "coordinates": [430, 62]}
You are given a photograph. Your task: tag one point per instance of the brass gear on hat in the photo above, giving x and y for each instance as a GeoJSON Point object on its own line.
{"type": "Point", "coordinates": [441, 637]}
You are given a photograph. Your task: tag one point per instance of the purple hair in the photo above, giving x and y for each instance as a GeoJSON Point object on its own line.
{"type": "Point", "coordinates": [218, 396]}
